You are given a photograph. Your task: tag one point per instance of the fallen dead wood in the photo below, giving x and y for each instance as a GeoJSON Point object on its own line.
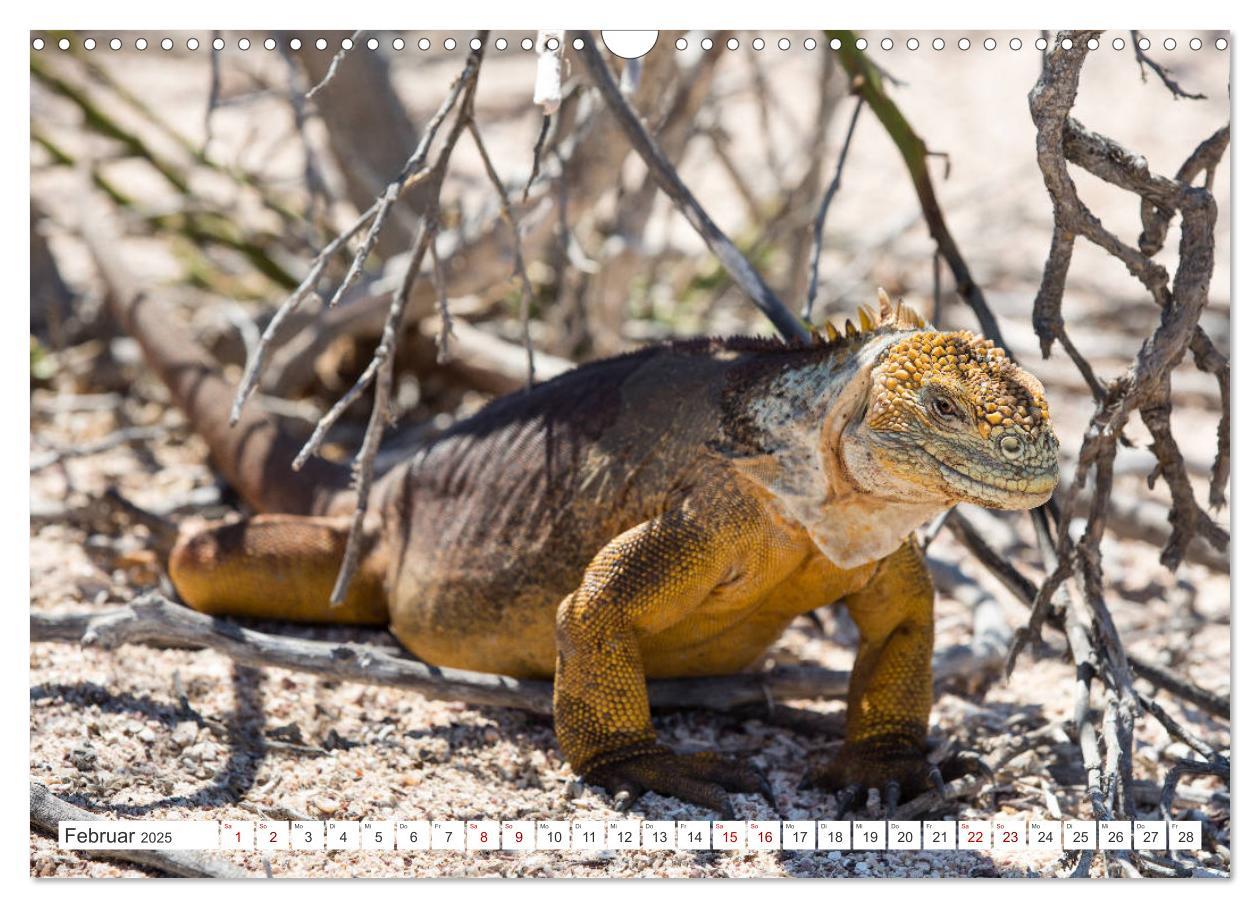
{"type": "Point", "coordinates": [47, 810]}
{"type": "Point", "coordinates": [489, 363]}
{"type": "Point", "coordinates": [153, 620]}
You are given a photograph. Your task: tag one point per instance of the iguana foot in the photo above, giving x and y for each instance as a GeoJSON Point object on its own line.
{"type": "Point", "coordinates": [704, 778]}
{"type": "Point", "coordinates": [893, 767]}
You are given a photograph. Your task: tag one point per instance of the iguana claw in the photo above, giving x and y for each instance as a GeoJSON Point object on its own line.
{"type": "Point", "coordinates": [888, 769]}
{"type": "Point", "coordinates": [938, 782]}
{"type": "Point", "coordinates": [704, 778]}
{"type": "Point", "coordinates": [892, 795]}
{"type": "Point", "coordinates": [845, 799]}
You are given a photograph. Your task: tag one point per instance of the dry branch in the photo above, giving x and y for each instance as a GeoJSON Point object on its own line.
{"type": "Point", "coordinates": [153, 620]}
{"type": "Point", "coordinates": [1106, 702]}
{"type": "Point", "coordinates": [581, 165]}
{"type": "Point", "coordinates": [414, 174]}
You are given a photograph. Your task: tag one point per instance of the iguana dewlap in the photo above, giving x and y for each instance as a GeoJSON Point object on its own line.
{"type": "Point", "coordinates": [663, 513]}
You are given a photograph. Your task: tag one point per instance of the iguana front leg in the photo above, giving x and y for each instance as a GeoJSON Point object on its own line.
{"type": "Point", "coordinates": [890, 691]}
{"type": "Point", "coordinates": [641, 583]}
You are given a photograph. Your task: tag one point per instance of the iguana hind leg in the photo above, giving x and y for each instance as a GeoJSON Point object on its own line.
{"type": "Point", "coordinates": [280, 567]}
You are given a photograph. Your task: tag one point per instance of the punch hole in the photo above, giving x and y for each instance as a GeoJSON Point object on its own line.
{"type": "Point", "coordinates": [964, 43]}
{"type": "Point", "coordinates": [64, 43]}
{"type": "Point", "coordinates": [192, 44]}
{"type": "Point", "coordinates": [1117, 44]}
{"type": "Point", "coordinates": [424, 44]}
{"type": "Point", "coordinates": [115, 44]}
{"type": "Point", "coordinates": [732, 44]}
{"type": "Point", "coordinates": [990, 44]}
{"type": "Point", "coordinates": [861, 44]}
{"type": "Point", "coordinates": [785, 44]}
{"type": "Point", "coordinates": [295, 44]}
{"type": "Point", "coordinates": [1092, 44]}
{"type": "Point", "coordinates": [321, 44]}
{"type": "Point", "coordinates": [243, 44]}
{"type": "Point", "coordinates": [88, 44]}
{"type": "Point", "coordinates": [217, 44]}
{"type": "Point", "coordinates": [552, 44]}
{"type": "Point", "coordinates": [475, 44]}
{"type": "Point", "coordinates": [938, 44]}
{"type": "Point", "coordinates": [1144, 43]}
{"type": "Point", "coordinates": [373, 44]}
{"type": "Point", "coordinates": [1041, 44]}
{"type": "Point", "coordinates": [1170, 44]}
{"type": "Point", "coordinates": [1016, 44]}
{"type": "Point", "coordinates": [578, 44]}
{"type": "Point", "coordinates": [38, 44]}
{"type": "Point", "coordinates": [629, 45]}
{"type": "Point", "coordinates": [758, 44]}
{"type": "Point", "coordinates": [706, 44]}
{"type": "Point", "coordinates": [1067, 44]}
{"type": "Point", "coordinates": [1221, 44]}
{"type": "Point", "coordinates": [449, 43]}
{"type": "Point", "coordinates": [526, 43]}
{"type": "Point", "coordinates": [347, 44]}
{"type": "Point", "coordinates": [912, 43]}
{"type": "Point", "coordinates": [142, 44]}
{"type": "Point", "coordinates": [680, 44]}
{"type": "Point", "coordinates": [886, 44]}
{"type": "Point", "coordinates": [167, 44]}
{"type": "Point", "coordinates": [810, 43]}
{"type": "Point", "coordinates": [500, 44]}
{"type": "Point", "coordinates": [398, 44]}
{"type": "Point", "coordinates": [270, 44]}
{"type": "Point", "coordinates": [1196, 44]}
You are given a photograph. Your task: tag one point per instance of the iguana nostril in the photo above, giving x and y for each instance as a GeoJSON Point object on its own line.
{"type": "Point", "coordinates": [1012, 447]}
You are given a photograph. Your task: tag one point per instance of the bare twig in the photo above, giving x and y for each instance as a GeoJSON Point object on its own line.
{"type": "Point", "coordinates": [821, 220]}
{"type": "Point", "coordinates": [749, 280]}
{"type": "Point", "coordinates": [518, 261]}
{"type": "Point", "coordinates": [1144, 61]}
{"type": "Point", "coordinates": [543, 128]}
{"type": "Point", "coordinates": [332, 67]}
{"type": "Point", "coordinates": [212, 102]}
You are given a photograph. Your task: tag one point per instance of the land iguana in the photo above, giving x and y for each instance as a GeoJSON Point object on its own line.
{"type": "Point", "coordinates": [663, 513]}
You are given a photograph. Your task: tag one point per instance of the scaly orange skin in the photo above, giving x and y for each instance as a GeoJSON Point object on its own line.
{"type": "Point", "coordinates": [669, 513]}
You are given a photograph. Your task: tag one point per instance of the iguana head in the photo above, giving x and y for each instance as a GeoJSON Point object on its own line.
{"type": "Point", "coordinates": [948, 416]}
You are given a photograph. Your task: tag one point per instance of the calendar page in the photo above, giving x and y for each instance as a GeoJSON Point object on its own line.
{"type": "Point", "coordinates": [701, 453]}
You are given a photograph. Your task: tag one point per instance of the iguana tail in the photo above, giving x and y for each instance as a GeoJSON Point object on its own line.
{"type": "Point", "coordinates": [254, 455]}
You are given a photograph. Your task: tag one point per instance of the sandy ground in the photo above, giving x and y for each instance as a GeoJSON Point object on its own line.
{"type": "Point", "coordinates": [109, 730]}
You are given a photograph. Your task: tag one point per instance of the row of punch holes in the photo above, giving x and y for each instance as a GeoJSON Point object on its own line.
{"type": "Point", "coordinates": [733, 43]}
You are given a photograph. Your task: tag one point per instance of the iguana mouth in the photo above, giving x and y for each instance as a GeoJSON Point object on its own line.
{"type": "Point", "coordinates": [1012, 493]}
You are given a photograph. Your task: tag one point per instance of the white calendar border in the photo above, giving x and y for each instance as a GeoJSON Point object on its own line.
{"type": "Point", "coordinates": [782, 14]}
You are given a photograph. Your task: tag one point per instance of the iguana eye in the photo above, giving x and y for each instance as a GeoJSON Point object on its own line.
{"type": "Point", "coordinates": [944, 408]}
